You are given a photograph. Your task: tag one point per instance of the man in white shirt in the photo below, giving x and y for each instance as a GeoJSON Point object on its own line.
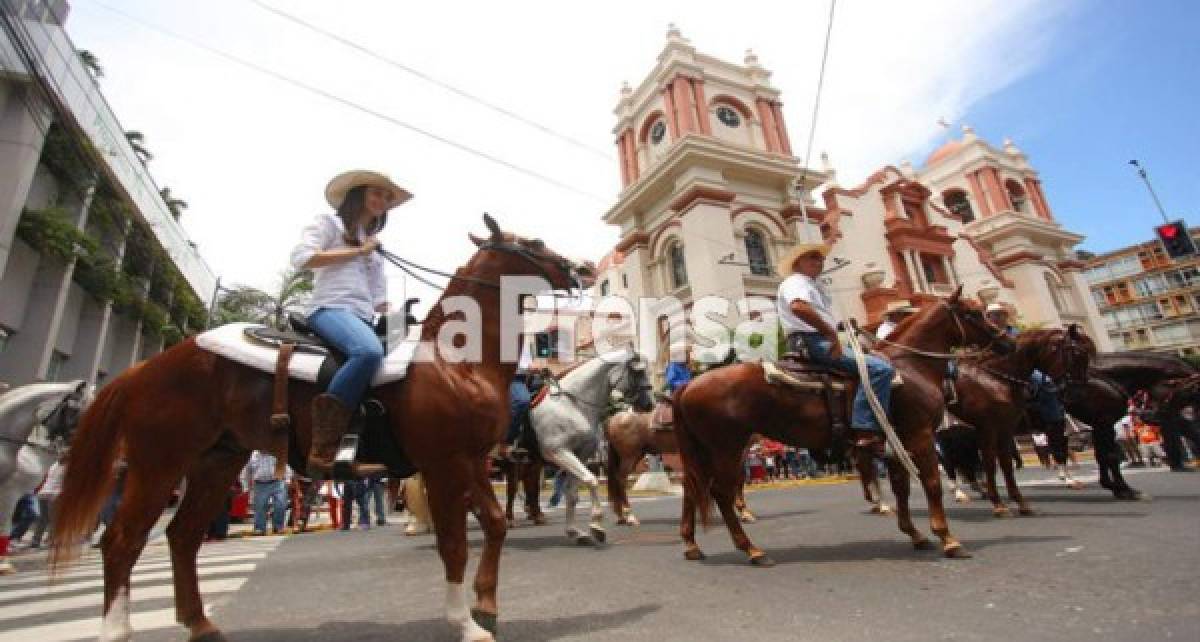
{"type": "Point", "coordinates": [806, 312]}
{"type": "Point", "coordinates": [895, 312]}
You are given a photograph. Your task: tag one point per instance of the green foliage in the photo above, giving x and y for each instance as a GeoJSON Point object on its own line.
{"type": "Point", "coordinates": [108, 213]}
{"type": "Point", "coordinates": [67, 158]}
{"type": "Point", "coordinates": [52, 232]}
{"type": "Point", "coordinates": [251, 305]}
{"type": "Point", "coordinates": [153, 316]}
{"type": "Point", "coordinates": [171, 334]}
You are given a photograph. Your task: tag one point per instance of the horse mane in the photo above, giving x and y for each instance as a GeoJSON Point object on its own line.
{"type": "Point", "coordinates": [1045, 335]}
{"type": "Point", "coordinates": [1140, 361]}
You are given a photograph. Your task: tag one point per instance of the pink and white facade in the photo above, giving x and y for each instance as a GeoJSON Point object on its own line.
{"type": "Point", "coordinates": [712, 195]}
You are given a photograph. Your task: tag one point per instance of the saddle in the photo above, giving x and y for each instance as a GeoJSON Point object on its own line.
{"type": "Point", "coordinates": [368, 437]}
{"type": "Point", "coordinates": [796, 372]}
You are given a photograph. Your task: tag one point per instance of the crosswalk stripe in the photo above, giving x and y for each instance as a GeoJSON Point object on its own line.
{"type": "Point", "coordinates": [222, 569]}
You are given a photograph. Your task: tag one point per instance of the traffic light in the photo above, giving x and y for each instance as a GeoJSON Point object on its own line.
{"type": "Point", "coordinates": [543, 346]}
{"type": "Point", "coordinates": [1176, 239]}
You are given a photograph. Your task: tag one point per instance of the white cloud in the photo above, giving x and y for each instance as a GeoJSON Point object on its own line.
{"type": "Point", "coordinates": [251, 155]}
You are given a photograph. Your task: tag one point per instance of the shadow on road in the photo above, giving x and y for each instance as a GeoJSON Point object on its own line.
{"type": "Point", "coordinates": [870, 551]}
{"type": "Point", "coordinates": [431, 630]}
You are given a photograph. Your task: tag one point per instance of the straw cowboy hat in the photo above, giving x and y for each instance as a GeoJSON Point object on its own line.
{"type": "Point", "coordinates": [899, 306]}
{"type": "Point", "coordinates": [335, 191]}
{"type": "Point", "coordinates": [800, 249]}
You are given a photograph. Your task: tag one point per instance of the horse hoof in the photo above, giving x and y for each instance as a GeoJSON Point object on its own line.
{"type": "Point", "coordinates": [598, 533]}
{"type": "Point", "coordinates": [694, 555]}
{"type": "Point", "coordinates": [632, 521]}
{"type": "Point", "coordinates": [962, 497]}
{"type": "Point", "coordinates": [211, 636]}
{"type": "Point", "coordinates": [922, 544]}
{"type": "Point", "coordinates": [1026, 511]}
{"type": "Point", "coordinates": [748, 518]}
{"type": "Point", "coordinates": [585, 540]}
{"type": "Point", "coordinates": [540, 520]}
{"type": "Point", "coordinates": [956, 552]}
{"type": "Point", "coordinates": [1075, 484]}
{"type": "Point", "coordinates": [1001, 512]}
{"type": "Point", "coordinates": [762, 561]}
{"type": "Point", "coordinates": [485, 620]}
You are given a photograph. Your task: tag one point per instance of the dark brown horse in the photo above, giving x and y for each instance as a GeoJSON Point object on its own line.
{"type": "Point", "coordinates": [631, 436]}
{"type": "Point", "coordinates": [523, 476]}
{"type": "Point", "coordinates": [718, 411]}
{"type": "Point", "coordinates": [991, 396]}
{"type": "Point", "coordinates": [190, 413]}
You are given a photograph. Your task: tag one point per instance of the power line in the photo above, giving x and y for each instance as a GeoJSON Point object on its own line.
{"type": "Point", "coordinates": [812, 129]}
{"type": "Point", "coordinates": [434, 81]}
{"type": "Point", "coordinates": [353, 105]}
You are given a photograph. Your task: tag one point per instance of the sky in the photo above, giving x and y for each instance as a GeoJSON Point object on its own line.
{"type": "Point", "coordinates": [1081, 87]}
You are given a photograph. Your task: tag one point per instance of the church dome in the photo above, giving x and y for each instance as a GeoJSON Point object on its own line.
{"type": "Point", "coordinates": [945, 151]}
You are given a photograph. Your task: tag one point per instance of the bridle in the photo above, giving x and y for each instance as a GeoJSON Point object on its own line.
{"type": "Point", "coordinates": [962, 333]}
{"type": "Point", "coordinates": [54, 443]}
{"type": "Point", "coordinates": [504, 247]}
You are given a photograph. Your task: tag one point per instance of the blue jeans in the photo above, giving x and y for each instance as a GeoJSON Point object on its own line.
{"type": "Point", "coordinates": [354, 491]}
{"type": "Point", "coordinates": [376, 489]}
{"type": "Point", "coordinates": [879, 371]}
{"type": "Point", "coordinates": [1045, 398]}
{"type": "Point", "coordinates": [518, 406]}
{"type": "Point", "coordinates": [560, 482]}
{"type": "Point", "coordinates": [274, 493]}
{"type": "Point", "coordinates": [354, 338]}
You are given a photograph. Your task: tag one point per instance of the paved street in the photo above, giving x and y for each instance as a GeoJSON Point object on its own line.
{"type": "Point", "coordinates": [1086, 568]}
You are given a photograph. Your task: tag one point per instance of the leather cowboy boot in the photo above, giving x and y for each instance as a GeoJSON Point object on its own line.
{"type": "Point", "coordinates": [331, 418]}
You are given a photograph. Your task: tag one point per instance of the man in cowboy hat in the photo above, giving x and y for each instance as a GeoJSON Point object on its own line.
{"type": "Point", "coordinates": [895, 312]}
{"type": "Point", "coordinates": [806, 312]}
{"type": "Point", "coordinates": [997, 315]}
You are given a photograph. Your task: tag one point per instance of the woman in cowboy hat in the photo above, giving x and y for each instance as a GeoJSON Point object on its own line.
{"type": "Point", "coordinates": [806, 312]}
{"type": "Point", "coordinates": [348, 290]}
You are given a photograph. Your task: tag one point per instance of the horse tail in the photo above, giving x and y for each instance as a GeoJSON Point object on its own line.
{"type": "Point", "coordinates": [617, 498]}
{"type": "Point", "coordinates": [697, 461]}
{"type": "Point", "coordinates": [89, 475]}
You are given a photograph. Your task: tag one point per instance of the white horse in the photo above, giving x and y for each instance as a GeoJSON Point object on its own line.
{"type": "Point", "coordinates": [568, 421]}
{"type": "Point", "coordinates": [36, 422]}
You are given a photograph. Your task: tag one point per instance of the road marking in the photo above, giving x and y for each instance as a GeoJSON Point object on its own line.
{"type": "Point", "coordinates": [223, 569]}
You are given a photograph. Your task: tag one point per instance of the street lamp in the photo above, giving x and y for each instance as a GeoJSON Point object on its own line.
{"type": "Point", "coordinates": [1146, 179]}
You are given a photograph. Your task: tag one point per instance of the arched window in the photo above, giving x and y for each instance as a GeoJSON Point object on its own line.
{"type": "Point", "coordinates": [1016, 194]}
{"type": "Point", "coordinates": [956, 201]}
{"type": "Point", "coordinates": [756, 253]}
{"type": "Point", "coordinates": [679, 276]}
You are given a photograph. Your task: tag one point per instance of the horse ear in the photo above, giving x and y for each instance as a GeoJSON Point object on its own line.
{"type": "Point", "coordinates": [497, 235]}
{"type": "Point", "coordinates": [957, 293]}
{"type": "Point", "coordinates": [1073, 331]}
{"type": "Point", "coordinates": [476, 240]}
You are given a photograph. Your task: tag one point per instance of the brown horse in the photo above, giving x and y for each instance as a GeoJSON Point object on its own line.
{"type": "Point", "coordinates": [992, 396]}
{"type": "Point", "coordinates": [632, 435]}
{"type": "Point", "coordinates": [526, 476]}
{"type": "Point", "coordinates": [190, 413]}
{"type": "Point", "coordinates": [717, 412]}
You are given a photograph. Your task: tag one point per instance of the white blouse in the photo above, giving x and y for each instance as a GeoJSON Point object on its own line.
{"type": "Point", "coordinates": [356, 285]}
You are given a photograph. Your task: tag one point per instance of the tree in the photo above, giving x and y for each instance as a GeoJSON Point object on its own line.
{"type": "Point", "coordinates": [137, 140]}
{"type": "Point", "coordinates": [91, 63]}
{"type": "Point", "coordinates": [175, 205]}
{"type": "Point", "coordinates": [244, 303]}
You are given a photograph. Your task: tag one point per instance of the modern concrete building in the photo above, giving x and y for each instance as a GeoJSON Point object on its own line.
{"type": "Point", "coordinates": [714, 194]}
{"type": "Point", "coordinates": [96, 273]}
{"type": "Point", "coordinates": [1147, 300]}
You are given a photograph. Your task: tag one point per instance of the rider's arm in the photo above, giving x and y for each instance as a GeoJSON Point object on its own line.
{"type": "Point", "coordinates": [316, 248]}
{"type": "Point", "coordinates": [809, 315]}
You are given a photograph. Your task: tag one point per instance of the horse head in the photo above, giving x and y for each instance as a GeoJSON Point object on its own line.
{"type": "Point", "coordinates": [634, 383]}
{"type": "Point", "coordinates": [60, 423]}
{"type": "Point", "coordinates": [531, 257]}
{"type": "Point", "coordinates": [971, 327]}
{"type": "Point", "coordinates": [1063, 353]}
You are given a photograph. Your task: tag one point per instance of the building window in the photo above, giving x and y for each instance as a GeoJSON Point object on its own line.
{"type": "Point", "coordinates": [728, 116]}
{"type": "Point", "coordinates": [1016, 194]}
{"type": "Point", "coordinates": [604, 287]}
{"type": "Point", "coordinates": [679, 276]}
{"type": "Point", "coordinates": [756, 252]}
{"type": "Point", "coordinates": [625, 281]}
{"type": "Point", "coordinates": [956, 201]}
{"type": "Point", "coordinates": [658, 132]}
{"type": "Point", "coordinates": [545, 344]}
{"type": "Point", "coordinates": [54, 368]}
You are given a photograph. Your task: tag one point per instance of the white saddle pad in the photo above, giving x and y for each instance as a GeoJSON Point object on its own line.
{"type": "Point", "coordinates": [230, 341]}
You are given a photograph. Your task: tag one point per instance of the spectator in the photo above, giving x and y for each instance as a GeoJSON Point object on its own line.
{"type": "Point", "coordinates": [376, 487]}
{"type": "Point", "coordinates": [1041, 446]}
{"type": "Point", "coordinates": [269, 491]}
{"type": "Point", "coordinates": [354, 491]}
{"type": "Point", "coordinates": [1125, 430]}
{"type": "Point", "coordinates": [25, 515]}
{"type": "Point", "coordinates": [46, 494]}
{"type": "Point", "coordinates": [1150, 440]}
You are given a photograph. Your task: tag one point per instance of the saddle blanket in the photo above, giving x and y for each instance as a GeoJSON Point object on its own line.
{"type": "Point", "coordinates": [230, 341]}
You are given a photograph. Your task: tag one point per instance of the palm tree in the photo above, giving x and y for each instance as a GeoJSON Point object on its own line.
{"type": "Point", "coordinates": [137, 140]}
{"type": "Point", "coordinates": [175, 205]}
{"type": "Point", "coordinates": [91, 63]}
{"type": "Point", "coordinates": [249, 304]}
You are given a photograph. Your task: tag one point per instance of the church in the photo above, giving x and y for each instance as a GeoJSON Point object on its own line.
{"type": "Point", "coordinates": [713, 193]}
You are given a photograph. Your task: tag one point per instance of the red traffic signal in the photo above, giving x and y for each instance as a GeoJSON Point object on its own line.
{"type": "Point", "coordinates": [1176, 239]}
